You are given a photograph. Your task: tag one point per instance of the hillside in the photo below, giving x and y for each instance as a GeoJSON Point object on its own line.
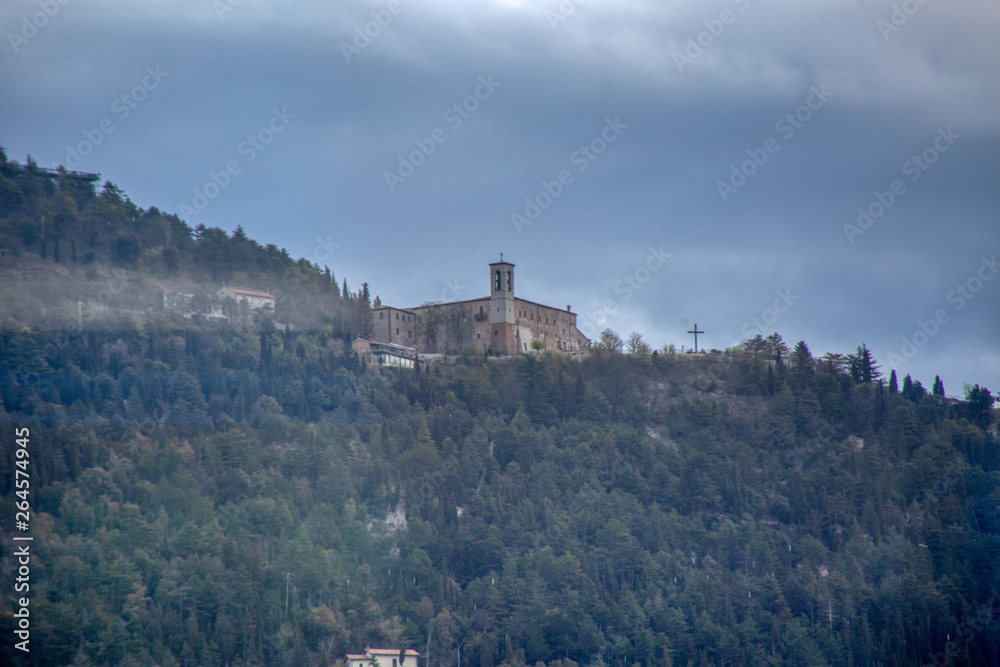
{"type": "Point", "coordinates": [70, 252]}
{"type": "Point", "coordinates": [211, 494]}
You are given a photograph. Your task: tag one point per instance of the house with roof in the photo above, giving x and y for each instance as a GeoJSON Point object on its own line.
{"type": "Point", "coordinates": [254, 298]}
{"type": "Point", "coordinates": [384, 657]}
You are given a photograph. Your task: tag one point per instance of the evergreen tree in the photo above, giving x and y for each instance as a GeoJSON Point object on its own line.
{"type": "Point", "coordinates": [863, 366]}
{"type": "Point", "coordinates": [979, 401]}
{"type": "Point", "coordinates": [893, 384]}
{"type": "Point", "coordinates": [802, 364]}
{"type": "Point", "coordinates": [776, 346]}
{"type": "Point", "coordinates": [938, 389]}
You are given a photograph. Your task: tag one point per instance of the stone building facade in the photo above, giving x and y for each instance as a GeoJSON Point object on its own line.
{"type": "Point", "coordinates": [499, 323]}
{"type": "Point", "coordinates": [394, 325]}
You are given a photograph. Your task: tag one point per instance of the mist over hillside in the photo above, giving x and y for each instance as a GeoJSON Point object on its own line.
{"type": "Point", "coordinates": [248, 490]}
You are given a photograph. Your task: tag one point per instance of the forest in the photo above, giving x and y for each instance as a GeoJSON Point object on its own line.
{"type": "Point", "coordinates": [235, 493]}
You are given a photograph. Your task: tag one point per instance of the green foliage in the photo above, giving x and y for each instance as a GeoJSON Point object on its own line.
{"type": "Point", "coordinates": [194, 504]}
{"type": "Point", "coordinates": [114, 248]}
{"type": "Point", "coordinates": [244, 495]}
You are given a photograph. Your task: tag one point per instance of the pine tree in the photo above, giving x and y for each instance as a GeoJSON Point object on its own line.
{"type": "Point", "coordinates": [893, 383]}
{"type": "Point", "coordinates": [776, 346]}
{"type": "Point", "coordinates": [863, 366]}
{"type": "Point", "coordinates": [239, 234]}
{"type": "Point", "coordinates": [802, 364]}
{"type": "Point", "coordinates": [938, 389]}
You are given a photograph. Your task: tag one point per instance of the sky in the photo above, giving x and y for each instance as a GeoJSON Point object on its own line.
{"type": "Point", "coordinates": [827, 170]}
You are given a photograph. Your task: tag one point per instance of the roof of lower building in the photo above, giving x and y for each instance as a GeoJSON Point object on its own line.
{"type": "Point", "coordinates": [390, 651]}
{"type": "Point", "coordinates": [248, 291]}
{"type": "Point", "coordinates": [369, 652]}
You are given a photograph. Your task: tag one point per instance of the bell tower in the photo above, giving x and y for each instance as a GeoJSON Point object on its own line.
{"type": "Point", "coordinates": [502, 309]}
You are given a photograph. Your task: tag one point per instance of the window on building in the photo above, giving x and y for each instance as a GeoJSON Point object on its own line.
{"type": "Point", "coordinates": [381, 315]}
{"type": "Point", "coordinates": [496, 281]}
{"type": "Point", "coordinates": [510, 281]}
{"type": "Point", "coordinates": [394, 662]}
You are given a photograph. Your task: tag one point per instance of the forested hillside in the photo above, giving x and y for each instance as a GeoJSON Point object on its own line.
{"type": "Point", "coordinates": [71, 252]}
{"type": "Point", "coordinates": [233, 494]}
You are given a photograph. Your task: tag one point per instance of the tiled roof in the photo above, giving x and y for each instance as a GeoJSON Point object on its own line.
{"type": "Point", "coordinates": [390, 651]}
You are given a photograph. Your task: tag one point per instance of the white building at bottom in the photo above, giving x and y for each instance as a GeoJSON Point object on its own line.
{"type": "Point", "coordinates": [386, 657]}
{"type": "Point", "coordinates": [386, 354]}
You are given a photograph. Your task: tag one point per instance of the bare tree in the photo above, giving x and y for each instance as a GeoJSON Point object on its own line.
{"type": "Point", "coordinates": [610, 341]}
{"type": "Point", "coordinates": [635, 345]}
{"type": "Point", "coordinates": [458, 326]}
{"type": "Point", "coordinates": [429, 322]}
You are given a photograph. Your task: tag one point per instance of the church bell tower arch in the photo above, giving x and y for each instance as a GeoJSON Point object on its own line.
{"type": "Point", "coordinates": [503, 315]}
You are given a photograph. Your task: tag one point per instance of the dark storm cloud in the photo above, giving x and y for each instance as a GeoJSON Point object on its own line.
{"type": "Point", "coordinates": [701, 87]}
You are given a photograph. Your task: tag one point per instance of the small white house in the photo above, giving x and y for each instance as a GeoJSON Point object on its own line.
{"type": "Point", "coordinates": [386, 657]}
{"type": "Point", "coordinates": [255, 298]}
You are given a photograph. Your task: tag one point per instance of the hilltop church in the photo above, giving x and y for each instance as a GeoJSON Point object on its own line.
{"type": "Point", "coordinates": [500, 323]}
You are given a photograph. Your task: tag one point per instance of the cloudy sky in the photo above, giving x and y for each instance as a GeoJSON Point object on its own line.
{"type": "Point", "coordinates": [824, 169]}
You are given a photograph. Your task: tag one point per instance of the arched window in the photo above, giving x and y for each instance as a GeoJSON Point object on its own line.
{"type": "Point", "coordinates": [510, 281]}
{"type": "Point", "coordinates": [496, 281]}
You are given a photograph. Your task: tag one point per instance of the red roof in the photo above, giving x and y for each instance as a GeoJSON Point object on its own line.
{"type": "Point", "coordinates": [390, 651]}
